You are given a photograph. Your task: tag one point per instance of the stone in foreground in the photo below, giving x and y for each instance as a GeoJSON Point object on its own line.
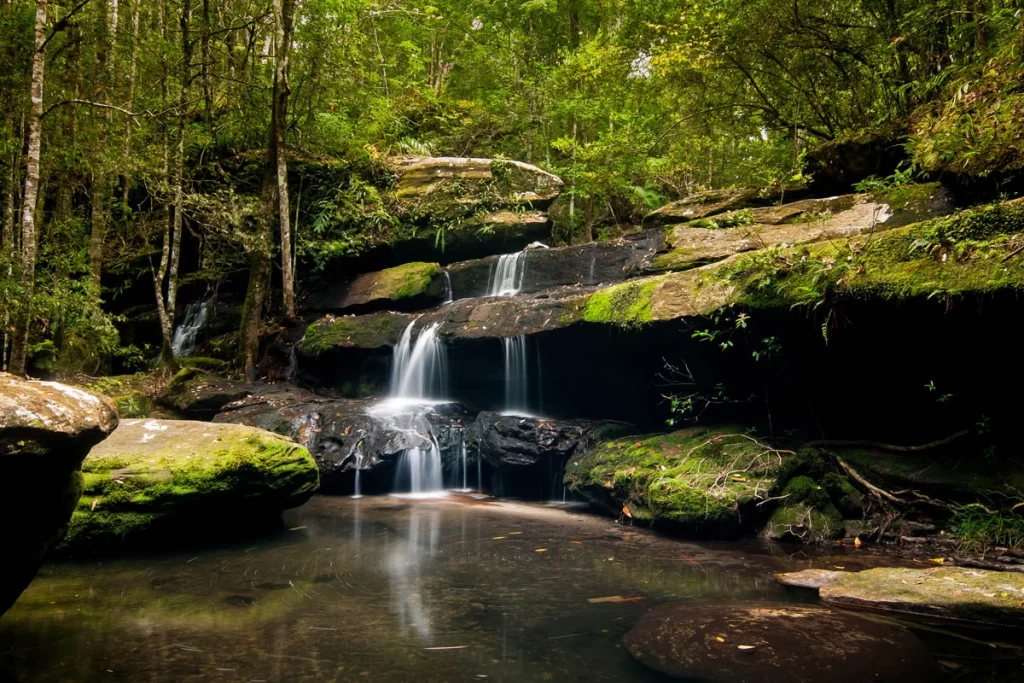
{"type": "Point", "coordinates": [958, 594]}
{"type": "Point", "coordinates": [770, 643]}
{"type": "Point", "coordinates": [809, 578]}
{"type": "Point", "coordinates": [46, 430]}
{"type": "Point", "coordinates": [153, 478]}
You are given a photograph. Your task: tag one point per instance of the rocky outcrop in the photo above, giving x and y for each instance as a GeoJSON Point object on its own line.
{"type": "Point", "coordinates": [343, 435]}
{"type": "Point", "coordinates": [46, 430]}
{"type": "Point", "coordinates": [520, 183]}
{"type": "Point", "coordinates": [157, 480]}
{"type": "Point", "coordinates": [200, 395]}
{"type": "Point", "coordinates": [775, 643]}
{"type": "Point", "coordinates": [952, 594]}
{"type": "Point", "coordinates": [409, 287]}
{"type": "Point", "coordinates": [837, 165]}
{"type": "Point", "coordinates": [714, 202]}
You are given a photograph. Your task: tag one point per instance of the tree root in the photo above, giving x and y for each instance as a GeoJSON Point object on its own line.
{"type": "Point", "coordinates": [889, 447]}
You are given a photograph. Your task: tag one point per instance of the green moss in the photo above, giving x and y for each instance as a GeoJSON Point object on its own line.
{"type": "Point", "coordinates": [368, 331]}
{"type": "Point", "coordinates": [625, 305]}
{"type": "Point", "coordinates": [405, 281]}
{"type": "Point", "coordinates": [695, 478]}
{"type": "Point", "coordinates": [802, 522]}
{"type": "Point", "coordinates": [159, 469]}
{"type": "Point", "coordinates": [806, 490]}
{"type": "Point", "coordinates": [956, 254]}
{"type": "Point", "coordinates": [208, 364]}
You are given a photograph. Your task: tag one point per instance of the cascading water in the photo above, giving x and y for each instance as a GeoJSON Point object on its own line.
{"type": "Point", "coordinates": [516, 374]}
{"type": "Point", "coordinates": [184, 342]}
{"type": "Point", "coordinates": [420, 370]}
{"type": "Point", "coordinates": [449, 295]}
{"type": "Point", "coordinates": [507, 278]}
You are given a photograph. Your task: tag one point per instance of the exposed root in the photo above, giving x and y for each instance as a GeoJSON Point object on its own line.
{"type": "Point", "coordinates": [889, 447]}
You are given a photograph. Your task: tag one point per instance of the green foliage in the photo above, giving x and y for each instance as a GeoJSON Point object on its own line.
{"type": "Point", "coordinates": [978, 529]}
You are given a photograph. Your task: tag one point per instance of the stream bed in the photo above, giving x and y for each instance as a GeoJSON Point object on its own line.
{"type": "Point", "coordinates": [386, 589]}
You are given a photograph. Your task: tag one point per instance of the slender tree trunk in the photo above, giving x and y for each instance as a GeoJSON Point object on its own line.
{"type": "Point", "coordinates": [19, 350]}
{"type": "Point", "coordinates": [179, 160]}
{"type": "Point", "coordinates": [284, 11]}
{"type": "Point", "coordinates": [133, 62]}
{"type": "Point", "coordinates": [101, 180]}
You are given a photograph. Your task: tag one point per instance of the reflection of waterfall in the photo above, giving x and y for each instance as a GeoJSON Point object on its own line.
{"type": "Point", "coordinates": [404, 567]}
{"type": "Point", "coordinates": [516, 379]}
{"type": "Point", "coordinates": [420, 370]}
{"type": "Point", "coordinates": [507, 278]}
{"type": "Point", "coordinates": [184, 343]}
{"type": "Point", "coordinates": [462, 458]}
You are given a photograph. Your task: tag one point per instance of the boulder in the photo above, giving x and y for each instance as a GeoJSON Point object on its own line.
{"type": "Point", "coordinates": [775, 643]}
{"type": "Point", "coordinates": [200, 395]}
{"type": "Point", "coordinates": [837, 165]}
{"type": "Point", "coordinates": [945, 594]}
{"type": "Point", "coordinates": [46, 430]}
{"type": "Point", "coordinates": [409, 287]}
{"type": "Point", "coordinates": [154, 481]}
{"type": "Point", "coordinates": [529, 454]}
{"type": "Point", "coordinates": [698, 481]}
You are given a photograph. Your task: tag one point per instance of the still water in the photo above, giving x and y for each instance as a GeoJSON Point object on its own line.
{"type": "Point", "coordinates": [384, 589]}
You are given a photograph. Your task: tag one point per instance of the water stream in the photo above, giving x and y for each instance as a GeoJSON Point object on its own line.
{"type": "Point", "coordinates": [517, 383]}
{"type": "Point", "coordinates": [508, 276]}
{"type": "Point", "coordinates": [184, 343]}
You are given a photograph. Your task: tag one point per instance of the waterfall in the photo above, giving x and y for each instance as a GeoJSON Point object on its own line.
{"type": "Point", "coordinates": [184, 342]}
{"type": "Point", "coordinates": [358, 494]}
{"type": "Point", "coordinates": [449, 295]}
{"type": "Point", "coordinates": [422, 466]}
{"type": "Point", "coordinates": [420, 370]}
{"type": "Point", "coordinates": [516, 380]}
{"type": "Point", "coordinates": [507, 278]}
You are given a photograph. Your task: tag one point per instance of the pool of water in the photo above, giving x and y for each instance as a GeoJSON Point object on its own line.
{"type": "Point", "coordinates": [383, 589]}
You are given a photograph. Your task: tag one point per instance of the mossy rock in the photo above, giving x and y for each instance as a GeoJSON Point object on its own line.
{"type": "Point", "coordinates": [410, 286]}
{"type": "Point", "coordinates": [804, 523]}
{"type": "Point", "coordinates": [156, 477]}
{"type": "Point", "coordinates": [624, 305]}
{"type": "Point", "coordinates": [365, 331]}
{"type": "Point", "coordinates": [701, 482]}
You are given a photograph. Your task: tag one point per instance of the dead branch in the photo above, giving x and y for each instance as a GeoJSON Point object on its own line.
{"type": "Point", "coordinates": [827, 443]}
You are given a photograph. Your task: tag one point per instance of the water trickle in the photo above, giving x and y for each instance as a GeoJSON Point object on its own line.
{"type": "Point", "coordinates": [593, 262]}
{"type": "Point", "coordinates": [507, 278]}
{"type": "Point", "coordinates": [462, 458]}
{"type": "Point", "coordinates": [358, 493]}
{"type": "Point", "coordinates": [184, 342]}
{"type": "Point", "coordinates": [420, 370]}
{"type": "Point", "coordinates": [422, 466]}
{"type": "Point", "coordinates": [516, 369]}
{"type": "Point", "coordinates": [448, 293]}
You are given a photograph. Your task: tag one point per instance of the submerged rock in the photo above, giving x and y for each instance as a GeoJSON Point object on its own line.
{"type": "Point", "coordinates": [157, 480]}
{"type": "Point", "coordinates": [46, 430]}
{"type": "Point", "coordinates": [775, 643]}
{"type": "Point", "coordinates": [957, 594]}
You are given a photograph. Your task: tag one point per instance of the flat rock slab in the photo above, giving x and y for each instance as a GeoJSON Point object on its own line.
{"type": "Point", "coordinates": [958, 594]}
{"type": "Point", "coordinates": [770, 643]}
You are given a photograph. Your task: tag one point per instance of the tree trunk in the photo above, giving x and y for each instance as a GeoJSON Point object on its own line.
{"type": "Point", "coordinates": [101, 184]}
{"type": "Point", "coordinates": [19, 350]}
{"type": "Point", "coordinates": [133, 62]}
{"type": "Point", "coordinates": [284, 11]}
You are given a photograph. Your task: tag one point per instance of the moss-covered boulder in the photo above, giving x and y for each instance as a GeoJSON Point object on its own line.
{"type": "Point", "coordinates": [775, 643]}
{"type": "Point", "coordinates": [702, 482]}
{"type": "Point", "coordinates": [956, 594]}
{"type": "Point", "coordinates": [412, 286]}
{"type": "Point", "coordinates": [364, 332]}
{"type": "Point", "coordinates": [46, 430]}
{"type": "Point", "coordinates": [158, 480]}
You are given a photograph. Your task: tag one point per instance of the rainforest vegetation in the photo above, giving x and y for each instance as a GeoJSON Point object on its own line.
{"type": "Point", "coordinates": [151, 150]}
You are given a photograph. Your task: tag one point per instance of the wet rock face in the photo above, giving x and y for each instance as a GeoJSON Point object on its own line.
{"type": "Point", "coordinates": [343, 435]}
{"type": "Point", "coordinates": [46, 430]}
{"type": "Point", "coordinates": [775, 643]}
{"type": "Point", "coordinates": [156, 480]}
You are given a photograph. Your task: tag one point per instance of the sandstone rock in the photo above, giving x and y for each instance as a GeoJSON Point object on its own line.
{"type": "Point", "coordinates": [523, 183]}
{"type": "Point", "coordinates": [46, 430]}
{"type": "Point", "coordinates": [955, 594]}
{"type": "Point", "coordinates": [775, 643]}
{"type": "Point", "coordinates": [715, 202]}
{"type": "Point", "coordinates": [412, 286]}
{"type": "Point", "coordinates": [153, 478]}
{"type": "Point", "coordinates": [809, 578]}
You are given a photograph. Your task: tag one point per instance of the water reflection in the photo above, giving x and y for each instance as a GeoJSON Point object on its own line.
{"type": "Point", "coordinates": [406, 566]}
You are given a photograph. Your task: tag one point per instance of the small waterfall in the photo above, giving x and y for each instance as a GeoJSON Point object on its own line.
{"type": "Point", "coordinates": [516, 374]}
{"type": "Point", "coordinates": [422, 466]}
{"type": "Point", "coordinates": [420, 370]}
{"type": "Point", "coordinates": [507, 278]}
{"type": "Point", "coordinates": [358, 493]}
{"type": "Point", "coordinates": [448, 294]}
{"type": "Point", "coordinates": [184, 342]}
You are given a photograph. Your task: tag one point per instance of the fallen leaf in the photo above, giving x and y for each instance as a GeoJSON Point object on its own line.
{"type": "Point", "coordinates": [541, 550]}
{"type": "Point", "coordinates": [297, 528]}
{"type": "Point", "coordinates": [937, 560]}
{"type": "Point", "coordinates": [745, 647]}
{"type": "Point", "coordinates": [499, 538]}
{"type": "Point", "coordinates": [625, 511]}
{"type": "Point", "coordinates": [857, 542]}
{"type": "Point", "coordinates": [615, 599]}
{"type": "Point", "coordinates": [576, 542]}
{"type": "Point", "coordinates": [720, 639]}
{"type": "Point", "coordinates": [515, 533]}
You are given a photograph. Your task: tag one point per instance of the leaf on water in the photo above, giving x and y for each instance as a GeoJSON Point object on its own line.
{"type": "Point", "coordinates": [541, 550]}
{"type": "Point", "coordinates": [450, 647]}
{"type": "Point", "coordinates": [615, 599]}
{"type": "Point", "coordinates": [720, 639]}
{"type": "Point", "coordinates": [499, 538]}
{"type": "Point", "coordinates": [745, 647]}
{"type": "Point", "coordinates": [576, 542]}
{"type": "Point", "coordinates": [297, 528]}
{"type": "Point", "coordinates": [515, 533]}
